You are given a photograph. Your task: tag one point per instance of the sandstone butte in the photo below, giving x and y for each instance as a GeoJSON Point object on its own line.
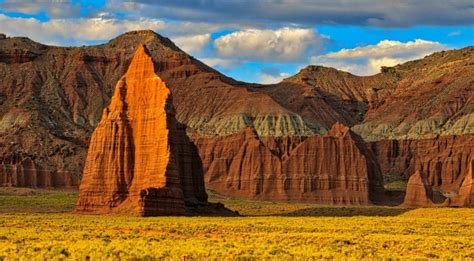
{"type": "Point", "coordinates": [140, 160]}
{"type": "Point", "coordinates": [419, 192]}
{"type": "Point", "coordinates": [336, 168]}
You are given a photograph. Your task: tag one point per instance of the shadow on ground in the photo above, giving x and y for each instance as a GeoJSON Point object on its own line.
{"type": "Point", "coordinates": [329, 211]}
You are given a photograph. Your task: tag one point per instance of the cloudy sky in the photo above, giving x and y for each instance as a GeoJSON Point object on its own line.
{"type": "Point", "coordinates": [258, 40]}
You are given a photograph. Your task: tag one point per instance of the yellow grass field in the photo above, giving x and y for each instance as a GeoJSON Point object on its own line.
{"type": "Point", "coordinates": [39, 225]}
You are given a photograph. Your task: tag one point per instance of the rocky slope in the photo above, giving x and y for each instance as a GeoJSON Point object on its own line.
{"type": "Point", "coordinates": [324, 96]}
{"type": "Point", "coordinates": [433, 96]}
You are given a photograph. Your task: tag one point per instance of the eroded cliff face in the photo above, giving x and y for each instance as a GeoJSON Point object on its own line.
{"type": "Point", "coordinates": [23, 172]}
{"type": "Point", "coordinates": [333, 169]}
{"type": "Point", "coordinates": [419, 192]}
{"type": "Point", "coordinates": [465, 196]}
{"type": "Point", "coordinates": [444, 160]}
{"type": "Point", "coordinates": [140, 159]}
{"type": "Point", "coordinates": [19, 169]}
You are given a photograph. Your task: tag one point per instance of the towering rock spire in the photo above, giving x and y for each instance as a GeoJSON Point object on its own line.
{"type": "Point", "coordinates": [140, 159]}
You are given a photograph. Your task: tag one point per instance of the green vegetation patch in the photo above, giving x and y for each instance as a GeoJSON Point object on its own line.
{"type": "Point", "coordinates": [25, 200]}
{"type": "Point", "coordinates": [394, 182]}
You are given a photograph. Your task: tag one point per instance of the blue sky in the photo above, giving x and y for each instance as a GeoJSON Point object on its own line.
{"type": "Point", "coordinates": [258, 40]}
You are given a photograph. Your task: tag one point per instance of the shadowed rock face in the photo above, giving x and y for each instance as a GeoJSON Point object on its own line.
{"type": "Point", "coordinates": [21, 171]}
{"type": "Point", "coordinates": [333, 169]}
{"type": "Point", "coordinates": [140, 160]}
{"type": "Point", "coordinates": [465, 197]}
{"type": "Point", "coordinates": [419, 192]}
{"type": "Point", "coordinates": [444, 160]}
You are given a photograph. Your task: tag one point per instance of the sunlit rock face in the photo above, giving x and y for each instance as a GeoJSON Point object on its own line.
{"type": "Point", "coordinates": [140, 159]}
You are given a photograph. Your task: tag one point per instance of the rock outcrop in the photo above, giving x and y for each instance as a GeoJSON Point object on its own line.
{"type": "Point", "coordinates": [333, 169]}
{"type": "Point", "coordinates": [465, 196]}
{"type": "Point", "coordinates": [140, 159]}
{"type": "Point", "coordinates": [444, 160]}
{"type": "Point", "coordinates": [419, 192]}
{"type": "Point", "coordinates": [20, 170]}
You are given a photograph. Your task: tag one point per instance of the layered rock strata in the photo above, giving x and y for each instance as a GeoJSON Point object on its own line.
{"type": "Point", "coordinates": [140, 160]}
{"type": "Point", "coordinates": [23, 172]}
{"type": "Point", "coordinates": [333, 169]}
{"type": "Point", "coordinates": [19, 169]}
{"type": "Point", "coordinates": [419, 192]}
{"type": "Point", "coordinates": [465, 196]}
{"type": "Point", "coordinates": [444, 160]}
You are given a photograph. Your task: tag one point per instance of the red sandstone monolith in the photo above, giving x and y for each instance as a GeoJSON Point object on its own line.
{"type": "Point", "coordinates": [140, 160]}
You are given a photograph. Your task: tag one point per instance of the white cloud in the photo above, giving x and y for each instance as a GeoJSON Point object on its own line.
{"type": "Point", "coordinates": [387, 48]}
{"type": "Point", "coordinates": [454, 33]}
{"type": "Point", "coordinates": [77, 31]}
{"type": "Point", "coordinates": [194, 43]}
{"type": "Point", "coordinates": [399, 13]}
{"type": "Point", "coordinates": [269, 79]}
{"type": "Point", "coordinates": [220, 63]}
{"type": "Point", "coordinates": [54, 8]}
{"type": "Point", "coordinates": [367, 60]}
{"type": "Point", "coordinates": [73, 31]}
{"type": "Point", "coordinates": [282, 45]}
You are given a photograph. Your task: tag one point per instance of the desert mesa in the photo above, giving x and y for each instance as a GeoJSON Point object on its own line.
{"type": "Point", "coordinates": [142, 127]}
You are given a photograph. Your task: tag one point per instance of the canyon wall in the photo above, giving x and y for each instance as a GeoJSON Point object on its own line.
{"type": "Point", "coordinates": [22, 171]}
{"type": "Point", "coordinates": [336, 168]}
{"type": "Point", "coordinates": [444, 160]}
